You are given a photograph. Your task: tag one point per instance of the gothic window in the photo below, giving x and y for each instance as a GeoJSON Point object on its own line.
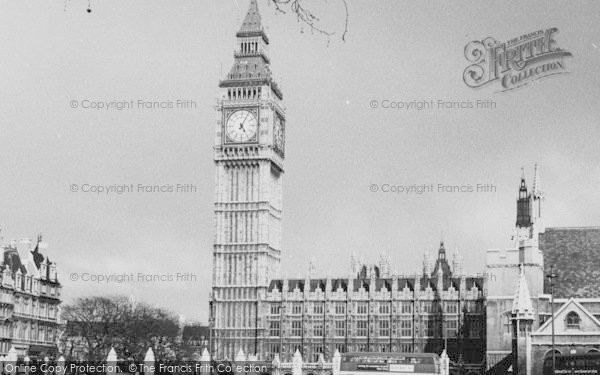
{"type": "Point", "coordinates": [406, 328]}
{"type": "Point", "coordinates": [340, 308]}
{"type": "Point", "coordinates": [274, 349]}
{"type": "Point", "coordinates": [318, 308]}
{"type": "Point", "coordinates": [274, 328]}
{"type": "Point", "coordinates": [573, 320]}
{"type": "Point", "coordinates": [476, 329]}
{"type": "Point", "coordinates": [384, 328]}
{"type": "Point", "coordinates": [318, 329]}
{"type": "Point", "coordinates": [406, 308]}
{"type": "Point", "coordinates": [317, 350]}
{"type": "Point", "coordinates": [384, 309]}
{"type": "Point", "coordinates": [429, 330]}
{"type": "Point", "coordinates": [427, 307]}
{"type": "Point", "coordinates": [361, 328]}
{"type": "Point", "coordinates": [275, 309]}
{"type": "Point", "coordinates": [451, 307]}
{"type": "Point", "coordinates": [297, 308]}
{"type": "Point", "coordinates": [361, 308]}
{"type": "Point", "coordinates": [451, 328]}
{"type": "Point", "coordinates": [340, 328]}
{"type": "Point", "coordinates": [340, 348]}
{"type": "Point", "coordinates": [296, 328]}
{"type": "Point", "coordinates": [507, 324]}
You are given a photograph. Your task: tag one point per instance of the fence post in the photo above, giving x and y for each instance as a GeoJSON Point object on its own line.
{"type": "Point", "coordinates": [111, 362]}
{"type": "Point", "coordinates": [11, 359]}
{"type": "Point", "coordinates": [60, 364]}
{"type": "Point", "coordinates": [336, 363]}
{"type": "Point", "coordinates": [444, 363]}
{"type": "Point", "coordinates": [205, 365]}
{"type": "Point", "coordinates": [297, 363]}
{"type": "Point", "coordinates": [47, 362]}
{"type": "Point", "coordinates": [149, 362]}
{"type": "Point", "coordinates": [240, 356]}
{"type": "Point", "coordinates": [27, 360]}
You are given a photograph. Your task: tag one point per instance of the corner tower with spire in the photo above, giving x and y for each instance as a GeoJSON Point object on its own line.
{"type": "Point", "coordinates": [522, 317]}
{"type": "Point", "coordinates": [520, 267]}
{"type": "Point", "coordinates": [249, 150]}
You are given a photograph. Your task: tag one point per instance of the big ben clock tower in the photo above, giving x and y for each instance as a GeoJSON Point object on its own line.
{"type": "Point", "coordinates": [249, 152]}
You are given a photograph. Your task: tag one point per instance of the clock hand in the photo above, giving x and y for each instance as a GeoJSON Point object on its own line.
{"type": "Point", "coordinates": [247, 114]}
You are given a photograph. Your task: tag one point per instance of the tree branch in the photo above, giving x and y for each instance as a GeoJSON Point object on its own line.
{"type": "Point", "coordinates": [309, 18]}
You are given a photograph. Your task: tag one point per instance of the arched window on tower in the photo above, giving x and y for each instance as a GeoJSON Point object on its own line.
{"type": "Point", "coordinates": [573, 320]}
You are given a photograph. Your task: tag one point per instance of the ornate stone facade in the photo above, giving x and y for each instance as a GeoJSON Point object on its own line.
{"type": "Point", "coordinates": [249, 152]}
{"type": "Point", "coordinates": [29, 300]}
{"type": "Point", "coordinates": [371, 310]}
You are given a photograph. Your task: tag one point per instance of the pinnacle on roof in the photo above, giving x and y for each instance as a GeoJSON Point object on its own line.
{"type": "Point", "coordinates": [522, 308]}
{"type": "Point", "coordinates": [252, 21]}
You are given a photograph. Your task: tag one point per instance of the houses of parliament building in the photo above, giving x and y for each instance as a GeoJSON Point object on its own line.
{"type": "Point", "coordinates": [367, 309]}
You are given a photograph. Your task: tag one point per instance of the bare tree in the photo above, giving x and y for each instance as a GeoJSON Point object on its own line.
{"type": "Point", "coordinates": [95, 324]}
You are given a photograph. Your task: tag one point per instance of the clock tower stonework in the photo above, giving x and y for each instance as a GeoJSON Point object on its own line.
{"type": "Point", "coordinates": [249, 153]}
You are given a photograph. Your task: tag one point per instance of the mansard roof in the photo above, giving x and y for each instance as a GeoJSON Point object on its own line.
{"type": "Point", "coordinates": [13, 260]}
{"type": "Point", "coordinates": [575, 255]}
{"type": "Point", "coordinates": [28, 263]}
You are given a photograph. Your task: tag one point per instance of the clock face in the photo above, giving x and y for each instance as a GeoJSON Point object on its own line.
{"type": "Point", "coordinates": [241, 126]}
{"type": "Point", "coordinates": [278, 134]}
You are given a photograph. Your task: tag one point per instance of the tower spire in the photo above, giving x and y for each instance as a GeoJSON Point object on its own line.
{"type": "Point", "coordinates": [522, 307]}
{"type": "Point", "coordinates": [536, 182]}
{"type": "Point", "coordinates": [252, 21]}
{"type": "Point", "coordinates": [524, 206]}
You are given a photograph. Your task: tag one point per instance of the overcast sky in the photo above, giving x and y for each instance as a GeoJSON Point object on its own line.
{"type": "Point", "coordinates": [336, 145]}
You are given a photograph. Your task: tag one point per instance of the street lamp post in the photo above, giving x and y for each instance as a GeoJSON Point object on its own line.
{"type": "Point", "coordinates": [551, 276]}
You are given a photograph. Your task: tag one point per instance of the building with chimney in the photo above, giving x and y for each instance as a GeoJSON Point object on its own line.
{"type": "Point", "coordinates": [29, 299]}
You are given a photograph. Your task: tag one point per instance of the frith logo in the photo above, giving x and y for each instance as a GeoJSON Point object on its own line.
{"type": "Point", "coordinates": [514, 63]}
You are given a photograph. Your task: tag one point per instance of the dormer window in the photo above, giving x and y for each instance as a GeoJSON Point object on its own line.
{"type": "Point", "coordinates": [573, 320]}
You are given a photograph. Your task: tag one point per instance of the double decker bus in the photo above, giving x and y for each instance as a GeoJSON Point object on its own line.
{"type": "Point", "coordinates": [588, 364]}
{"type": "Point", "coordinates": [390, 363]}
